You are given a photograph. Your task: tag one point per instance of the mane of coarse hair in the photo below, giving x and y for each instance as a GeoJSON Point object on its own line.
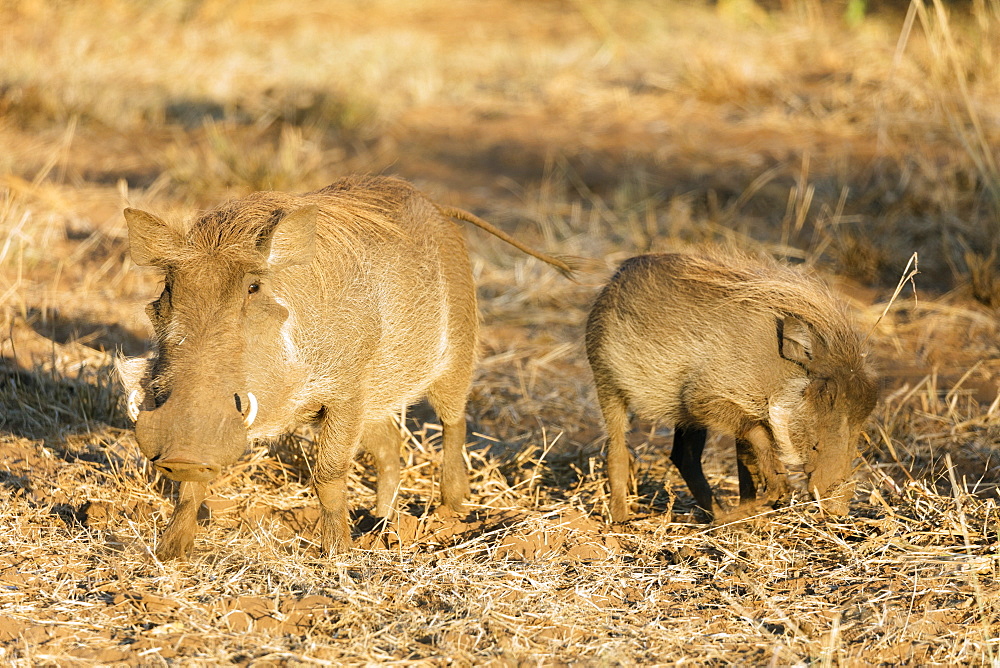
{"type": "Point", "coordinates": [764, 284]}
{"type": "Point", "coordinates": [352, 210]}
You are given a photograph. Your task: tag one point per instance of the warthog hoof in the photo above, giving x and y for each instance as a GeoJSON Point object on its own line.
{"type": "Point", "coordinates": [336, 536]}
{"type": "Point", "coordinates": [837, 501]}
{"type": "Point", "coordinates": [174, 545]}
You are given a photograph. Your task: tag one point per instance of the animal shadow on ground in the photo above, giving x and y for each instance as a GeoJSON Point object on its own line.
{"type": "Point", "coordinates": [53, 390]}
{"type": "Point", "coordinates": [61, 411]}
{"type": "Point", "coordinates": [80, 330]}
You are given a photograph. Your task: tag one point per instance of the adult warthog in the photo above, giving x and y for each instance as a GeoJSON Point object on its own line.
{"type": "Point", "coordinates": [338, 307]}
{"type": "Point", "coordinates": [745, 347]}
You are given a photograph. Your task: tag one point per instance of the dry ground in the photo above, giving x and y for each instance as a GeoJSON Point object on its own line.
{"type": "Point", "coordinates": [599, 128]}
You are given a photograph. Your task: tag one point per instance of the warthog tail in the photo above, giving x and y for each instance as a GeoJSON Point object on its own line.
{"type": "Point", "coordinates": [565, 265]}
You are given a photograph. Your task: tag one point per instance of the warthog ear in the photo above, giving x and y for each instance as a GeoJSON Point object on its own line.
{"type": "Point", "coordinates": [795, 340]}
{"type": "Point", "coordinates": [149, 237]}
{"type": "Point", "coordinates": [292, 240]}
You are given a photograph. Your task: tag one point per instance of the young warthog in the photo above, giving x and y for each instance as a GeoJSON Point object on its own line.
{"type": "Point", "coordinates": [340, 307]}
{"type": "Point", "coordinates": [752, 349]}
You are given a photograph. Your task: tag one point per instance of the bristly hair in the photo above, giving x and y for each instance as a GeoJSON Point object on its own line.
{"type": "Point", "coordinates": [351, 210]}
{"type": "Point", "coordinates": [764, 284]}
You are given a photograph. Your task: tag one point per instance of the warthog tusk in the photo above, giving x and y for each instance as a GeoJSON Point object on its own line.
{"type": "Point", "coordinates": [252, 411]}
{"type": "Point", "coordinates": [133, 405]}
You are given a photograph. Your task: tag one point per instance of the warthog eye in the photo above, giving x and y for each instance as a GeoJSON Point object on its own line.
{"type": "Point", "coordinates": [253, 288]}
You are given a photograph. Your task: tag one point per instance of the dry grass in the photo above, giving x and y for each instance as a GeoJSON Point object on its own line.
{"type": "Point", "coordinates": [599, 128]}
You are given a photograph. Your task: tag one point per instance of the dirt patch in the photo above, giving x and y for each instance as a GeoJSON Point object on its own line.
{"type": "Point", "coordinates": [248, 613]}
{"type": "Point", "coordinates": [509, 533]}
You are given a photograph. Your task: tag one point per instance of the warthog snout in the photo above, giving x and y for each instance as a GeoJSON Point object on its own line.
{"type": "Point", "coordinates": [187, 471]}
{"type": "Point", "coordinates": [193, 445]}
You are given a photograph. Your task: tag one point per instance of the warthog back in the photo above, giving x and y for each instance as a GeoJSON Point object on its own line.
{"type": "Point", "coordinates": [744, 347]}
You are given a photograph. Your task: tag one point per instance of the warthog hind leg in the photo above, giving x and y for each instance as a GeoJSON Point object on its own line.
{"type": "Point", "coordinates": [448, 396]}
{"type": "Point", "coordinates": [454, 471]}
{"type": "Point", "coordinates": [619, 459]}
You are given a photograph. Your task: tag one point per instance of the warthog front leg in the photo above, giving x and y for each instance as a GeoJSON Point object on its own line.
{"type": "Point", "coordinates": [689, 443]}
{"type": "Point", "coordinates": [747, 470]}
{"type": "Point", "coordinates": [336, 446]}
{"type": "Point", "coordinates": [382, 440]}
{"type": "Point", "coordinates": [335, 524]}
{"type": "Point", "coordinates": [758, 467]}
{"type": "Point", "coordinates": [178, 538]}
{"type": "Point", "coordinates": [770, 470]}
